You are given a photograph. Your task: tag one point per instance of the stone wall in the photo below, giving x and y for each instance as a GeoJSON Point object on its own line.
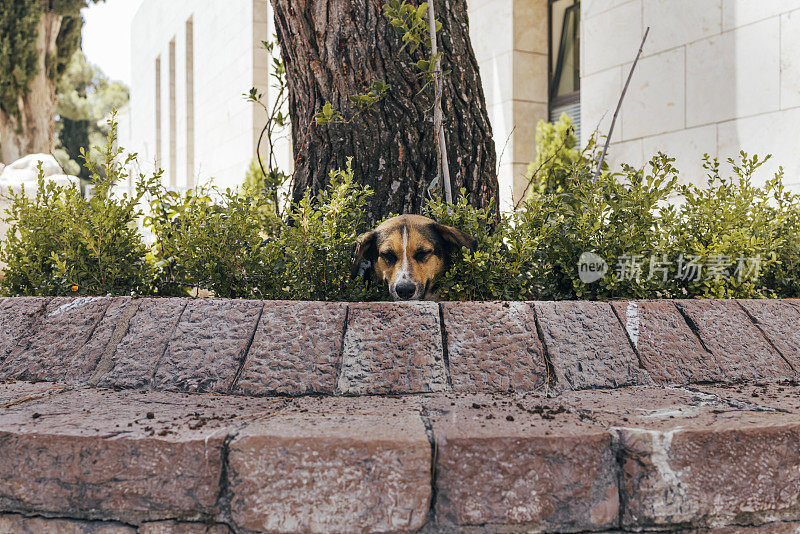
{"type": "Point", "coordinates": [178, 415]}
{"type": "Point", "coordinates": [716, 76]}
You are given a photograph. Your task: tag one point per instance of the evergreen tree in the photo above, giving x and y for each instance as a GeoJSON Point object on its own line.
{"type": "Point", "coordinates": [37, 41]}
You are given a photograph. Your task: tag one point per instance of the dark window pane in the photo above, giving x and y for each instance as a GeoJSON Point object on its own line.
{"type": "Point", "coordinates": [565, 57]}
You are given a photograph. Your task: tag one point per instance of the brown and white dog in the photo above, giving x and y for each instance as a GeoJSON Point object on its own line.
{"type": "Point", "coordinates": [409, 253]}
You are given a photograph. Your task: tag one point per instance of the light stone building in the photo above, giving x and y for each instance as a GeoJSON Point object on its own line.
{"type": "Point", "coordinates": [716, 76]}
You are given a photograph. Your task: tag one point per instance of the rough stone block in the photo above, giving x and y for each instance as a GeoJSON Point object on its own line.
{"type": "Point", "coordinates": [778, 320]}
{"type": "Point", "coordinates": [332, 465]}
{"type": "Point", "coordinates": [19, 524]}
{"type": "Point", "coordinates": [587, 346]}
{"type": "Point", "coordinates": [393, 348]}
{"type": "Point", "coordinates": [521, 462]}
{"type": "Point", "coordinates": [149, 332]}
{"type": "Point", "coordinates": [493, 346]}
{"type": "Point", "coordinates": [18, 316]}
{"type": "Point", "coordinates": [57, 345]}
{"type": "Point", "coordinates": [667, 347]}
{"type": "Point", "coordinates": [123, 455]}
{"type": "Point", "coordinates": [690, 458]}
{"type": "Point", "coordinates": [176, 527]}
{"type": "Point", "coordinates": [296, 349]}
{"type": "Point", "coordinates": [740, 349]}
{"type": "Point", "coordinates": [209, 346]}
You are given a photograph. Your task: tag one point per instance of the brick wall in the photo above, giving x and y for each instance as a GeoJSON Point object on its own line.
{"type": "Point", "coordinates": [178, 415]}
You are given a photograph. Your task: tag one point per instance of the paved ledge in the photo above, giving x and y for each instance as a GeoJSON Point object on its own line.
{"type": "Point", "coordinates": [273, 348]}
{"type": "Point", "coordinates": [91, 459]}
{"type": "Point", "coordinates": [179, 415]}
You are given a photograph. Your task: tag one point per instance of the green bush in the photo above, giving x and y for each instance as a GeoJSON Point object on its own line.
{"type": "Point", "coordinates": [219, 242]}
{"type": "Point", "coordinates": [208, 240]}
{"type": "Point", "coordinates": [556, 151]}
{"type": "Point", "coordinates": [60, 243]}
{"type": "Point", "coordinates": [312, 255]}
{"type": "Point", "coordinates": [729, 238]}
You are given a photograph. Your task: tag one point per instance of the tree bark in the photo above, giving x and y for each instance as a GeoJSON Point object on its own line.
{"type": "Point", "coordinates": [336, 48]}
{"type": "Point", "coordinates": [34, 131]}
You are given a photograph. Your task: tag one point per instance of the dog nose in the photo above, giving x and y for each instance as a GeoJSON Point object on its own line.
{"type": "Point", "coordinates": [405, 290]}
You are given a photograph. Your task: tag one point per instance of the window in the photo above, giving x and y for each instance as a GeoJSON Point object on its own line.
{"type": "Point", "coordinates": [565, 73]}
{"type": "Point", "coordinates": [190, 103]}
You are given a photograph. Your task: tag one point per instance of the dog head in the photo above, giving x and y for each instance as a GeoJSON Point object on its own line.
{"type": "Point", "coordinates": [409, 252]}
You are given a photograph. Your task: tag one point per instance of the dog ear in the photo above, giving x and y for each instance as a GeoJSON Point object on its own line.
{"type": "Point", "coordinates": [366, 248]}
{"type": "Point", "coordinates": [455, 238]}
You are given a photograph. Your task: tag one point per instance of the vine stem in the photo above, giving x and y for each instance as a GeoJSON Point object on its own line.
{"type": "Point", "coordinates": [437, 113]}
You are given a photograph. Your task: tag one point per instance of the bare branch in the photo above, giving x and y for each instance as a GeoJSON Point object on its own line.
{"type": "Point", "coordinates": [619, 105]}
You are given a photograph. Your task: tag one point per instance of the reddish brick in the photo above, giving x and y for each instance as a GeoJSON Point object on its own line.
{"type": "Point", "coordinates": [771, 528]}
{"type": "Point", "coordinates": [149, 332]}
{"type": "Point", "coordinates": [57, 347]}
{"type": "Point", "coordinates": [689, 458]}
{"type": "Point", "coordinates": [177, 527]}
{"type": "Point", "coordinates": [332, 465]}
{"type": "Point", "coordinates": [295, 351]}
{"type": "Point", "coordinates": [393, 348]}
{"type": "Point", "coordinates": [209, 346]}
{"type": "Point", "coordinates": [18, 524]}
{"type": "Point", "coordinates": [127, 455]}
{"type": "Point", "coordinates": [667, 347]}
{"type": "Point", "coordinates": [18, 317]}
{"type": "Point", "coordinates": [778, 321]}
{"type": "Point", "coordinates": [521, 461]}
{"type": "Point", "coordinates": [587, 346]}
{"type": "Point", "coordinates": [740, 349]}
{"type": "Point", "coordinates": [493, 346]}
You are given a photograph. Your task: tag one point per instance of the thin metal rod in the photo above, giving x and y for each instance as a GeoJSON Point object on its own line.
{"type": "Point", "coordinates": [437, 113]}
{"type": "Point", "coordinates": [619, 105]}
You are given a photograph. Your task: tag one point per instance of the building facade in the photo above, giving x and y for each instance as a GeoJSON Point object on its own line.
{"type": "Point", "coordinates": [716, 76]}
{"type": "Point", "coordinates": [193, 61]}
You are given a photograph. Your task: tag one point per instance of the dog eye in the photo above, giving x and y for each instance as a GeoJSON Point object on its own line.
{"type": "Point", "coordinates": [422, 255]}
{"type": "Point", "coordinates": [389, 257]}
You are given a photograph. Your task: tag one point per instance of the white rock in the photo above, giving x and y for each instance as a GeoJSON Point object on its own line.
{"type": "Point", "coordinates": [49, 165]}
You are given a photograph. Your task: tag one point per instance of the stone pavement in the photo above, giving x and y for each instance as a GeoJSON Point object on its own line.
{"type": "Point", "coordinates": [184, 416]}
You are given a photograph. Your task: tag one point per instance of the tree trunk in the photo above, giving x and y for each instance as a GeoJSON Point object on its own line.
{"type": "Point", "coordinates": [337, 48]}
{"type": "Point", "coordinates": [34, 131]}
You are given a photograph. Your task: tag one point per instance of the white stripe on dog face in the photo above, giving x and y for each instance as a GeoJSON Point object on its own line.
{"type": "Point", "coordinates": [403, 273]}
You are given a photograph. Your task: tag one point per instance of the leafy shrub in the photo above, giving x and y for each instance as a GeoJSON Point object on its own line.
{"type": "Point", "coordinates": [313, 253]}
{"type": "Point", "coordinates": [500, 268]}
{"type": "Point", "coordinates": [728, 238]}
{"type": "Point", "coordinates": [732, 225]}
{"type": "Point", "coordinates": [62, 243]}
{"type": "Point", "coordinates": [219, 242]}
{"type": "Point", "coordinates": [209, 240]}
{"type": "Point", "coordinates": [556, 152]}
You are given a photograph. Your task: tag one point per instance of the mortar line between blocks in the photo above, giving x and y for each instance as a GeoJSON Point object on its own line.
{"type": "Point", "coordinates": [628, 335]}
{"type": "Point", "coordinates": [106, 363]}
{"type": "Point", "coordinates": [168, 343]}
{"type": "Point", "coordinates": [445, 351]}
{"type": "Point", "coordinates": [340, 357]}
{"type": "Point", "coordinates": [247, 349]}
{"type": "Point", "coordinates": [764, 335]}
{"type": "Point", "coordinates": [550, 381]}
